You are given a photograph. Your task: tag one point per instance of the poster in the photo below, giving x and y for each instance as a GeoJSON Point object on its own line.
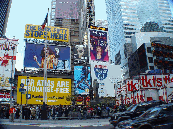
{"type": "Point", "coordinates": [82, 79]}
{"type": "Point", "coordinates": [81, 53]}
{"type": "Point", "coordinates": [58, 57]}
{"type": "Point", "coordinates": [6, 55]}
{"type": "Point", "coordinates": [58, 90]}
{"type": "Point", "coordinates": [98, 45]}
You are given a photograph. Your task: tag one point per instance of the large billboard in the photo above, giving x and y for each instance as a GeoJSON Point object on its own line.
{"type": "Point", "coordinates": [67, 9]}
{"type": "Point", "coordinates": [104, 72]}
{"type": "Point", "coordinates": [98, 45]}
{"type": "Point", "coordinates": [58, 57]}
{"type": "Point", "coordinates": [53, 33]}
{"type": "Point", "coordinates": [82, 79]}
{"type": "Point", "coordinates": [6, 55]}
{"type": "Point", "coordinates": [58, 90]}
{"type": "Point", "coordinates": [81, 53]}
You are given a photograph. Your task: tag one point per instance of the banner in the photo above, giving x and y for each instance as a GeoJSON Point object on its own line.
{"type": "Point", "coordinates": [58, 90]}
{"type": "Point", "coordinates": [53, 33]}
{"type": "Point", "coordinates": [68, 9]}
{"type": "Point", "coordinates": [150, 82]}
{"type": "Point", "coordinates": [82, 79]}
{"type": "Point", "coordinates": [58, 57]}
{"type": "Point", "coordinates": [101, 71]}
{"type": "Point", "coordinates": [6, 55]}
{"type": "Point", "coordinates": [81, 53]}
{"type": "Point", "coordinates": [98, 45]}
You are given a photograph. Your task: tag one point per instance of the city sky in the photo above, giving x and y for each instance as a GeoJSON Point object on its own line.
{"type": "Point", "coordinates": [34, 12]}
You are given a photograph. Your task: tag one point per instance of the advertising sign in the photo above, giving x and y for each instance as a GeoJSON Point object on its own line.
{"type": "Point", "coordinates": [6, 55]}
{"type": "Point", "coordinates": [68, 9]}
{"type": "Point", "coordinates": [150, 82]}
{"type": "Point", "coordinates": [58, 57]}
{"type": "Point", "coordinates": [58, 90]}
{"type": "Point", "coordinates": [82, 79]}
{"type": "Point", "coordinates": [103, 72]}
{"type": "Point", "coordinates": [81, 53]}
{"type": "Point", "coordinates": [98, 45]}
{"type": "Point", "coordinates": [53, 33]}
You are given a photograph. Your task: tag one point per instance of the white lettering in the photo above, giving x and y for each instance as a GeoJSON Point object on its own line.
{"type": "Point", "coordinates": [33, 88]}
{"type": "Point", "coordinates": [67, 83]}
{"type": "Point", "coordinates": [51, 89]}
{"type": "Point", "coordinates": [48, 89]}
{"type": "Point", "coordinates": [58, 84]}
{"type": "Point", "coordinates": [52, 82]}
{"type": "Point", "coordinates": [48, 83]}
{"type": "Point", "coordinates": [32, 82]}
{"type": "Point", "coordinates": [38, 83]}
{"type": "Point", "coordinates": [62, 83]}
{"type": "Point", "coordinates": [42, 82]}
{"type": "Point", "coordinates": [38, 89]}
{"type": "Point", "coordinates": [23, 81]}
{"type": "Point", "coordinates": [29, 88]}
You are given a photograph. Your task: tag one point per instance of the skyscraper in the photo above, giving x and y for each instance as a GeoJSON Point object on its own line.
{"type": "Point", "coordinates": [5, 6]}
{"type": "Point", "coordinates": [127, 17]}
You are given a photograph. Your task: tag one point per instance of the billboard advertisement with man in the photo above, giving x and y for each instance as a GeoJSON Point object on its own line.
{"type": "Point", "coordinates": [8, 49]}
{"type": "Point", "coordinates": [81, 53]}
{"type": "Point", "coordinates": [58, 90]}
{"type": "Point", "coordinates": [98, 45]}
{"type": "Point", "coordinates": [82, 79]}
{"type": "Point", "coordinates": [57, 57]}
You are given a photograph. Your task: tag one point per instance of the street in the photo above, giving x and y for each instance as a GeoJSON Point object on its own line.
{"type": "Point", "coordinates": [57, 124]}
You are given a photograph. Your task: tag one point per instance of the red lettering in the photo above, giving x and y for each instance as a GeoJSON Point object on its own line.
{"type": "Point", "coordinates": [143, 81]}
{"type": "Point", "coordinates": [159, 80]}
{"type": "Point", "coordinates": [167, 79]}
{"type": "Point", "coordinates": [154, 80]}
{"type": "Point", "coordinates": [129, 85]}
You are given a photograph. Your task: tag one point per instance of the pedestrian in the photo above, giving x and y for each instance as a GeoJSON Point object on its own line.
{"type": "Point", "coordinates": [33, 113]}
{"type": "Point", "coordinates": [108, 110]}
{"type": "Point", "coordinates": [12, 112]}
{"type": "Point", "coordinates": [17, 113]}
{"type": "Point", "coordinates": [7, 114]}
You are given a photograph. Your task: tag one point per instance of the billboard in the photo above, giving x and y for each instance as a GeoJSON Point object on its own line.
{"type": "Point", "coordinates": [68, 9]}
{"type": "Point", "coordinates": [58, 57]}
{"type": "Point", "coordinates": [98, 45]}
{"type": "Point", "coordinates": [53, 33]}
{"type": "Point", "coordinates": [82, 79]}
{"type": "Point", "coordinates": [58, 90]}
{"type": "Point", "coordinates": [6, 54]}
{"type": "Point", "coordinates": [81, 53]}
{"type": "Point", "coordinates": [104, 72]}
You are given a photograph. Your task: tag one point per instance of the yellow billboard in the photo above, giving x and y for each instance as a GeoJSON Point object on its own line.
{"type": "Point", "coordinates": [53, 33]}
{"type": "Point", "coordinates": [58, 90]}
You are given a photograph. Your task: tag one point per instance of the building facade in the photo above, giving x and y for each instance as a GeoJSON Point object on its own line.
{"type": "Point", "coordinates": [5, 6]}
{"type": "Point", "coordinates": [133, 16]}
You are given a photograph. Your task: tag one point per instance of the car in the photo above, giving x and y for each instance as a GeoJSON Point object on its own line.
{"type": "Point", "coordinates": [133, 111]}
{"type": "Point", "coordinates": [159, 117]}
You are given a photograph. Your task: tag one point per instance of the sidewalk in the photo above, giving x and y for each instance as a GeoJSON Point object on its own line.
{"type": "Point", "coordinates": [58, 123]}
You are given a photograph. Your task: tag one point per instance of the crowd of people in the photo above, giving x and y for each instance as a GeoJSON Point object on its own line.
{"type": "Point", "coordinates": [57, 111]}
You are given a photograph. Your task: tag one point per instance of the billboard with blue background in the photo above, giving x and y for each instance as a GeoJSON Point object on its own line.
{"type": "Point", "coordinates": [58, 57]}
{"type": "Point", "coordinates": [82, 79]}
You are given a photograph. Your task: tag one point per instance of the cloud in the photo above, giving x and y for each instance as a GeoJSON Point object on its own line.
{"type": "Point", "coordinates": [19, 61]}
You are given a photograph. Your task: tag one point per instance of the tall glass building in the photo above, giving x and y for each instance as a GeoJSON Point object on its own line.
{"type": "Point", "coordinates": [127, 17]}
{"type": "Point", "coordinates": [5, 6]}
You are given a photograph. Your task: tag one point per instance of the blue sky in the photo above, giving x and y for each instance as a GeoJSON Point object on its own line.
{"type": "Point", "coordinates": [33, 12]}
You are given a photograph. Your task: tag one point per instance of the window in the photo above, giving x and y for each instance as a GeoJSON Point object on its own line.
{"type": "Point", "coordinates": [151, 67]}
{"type": "Point", "coordinates": [150, 59]}
{"type": "Point", "coordinates": [149, 49]}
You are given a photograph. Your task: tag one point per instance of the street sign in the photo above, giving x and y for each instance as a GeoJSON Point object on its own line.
{"type": "Point", "coordinates": [22, 90]}
{"type": "Point", "coordinates": [21, 85]}
{"type": "Point", "coordinates": [29, 96]}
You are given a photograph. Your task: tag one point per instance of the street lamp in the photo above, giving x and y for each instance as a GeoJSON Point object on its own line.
{"type": "Point", "coordinates": [27, 91]}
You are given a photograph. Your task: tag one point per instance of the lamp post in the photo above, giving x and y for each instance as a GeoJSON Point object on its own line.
{"type": "Point", "coordinates": [13, 48]}
{"type": "Point", "coordinates": [27, 92]}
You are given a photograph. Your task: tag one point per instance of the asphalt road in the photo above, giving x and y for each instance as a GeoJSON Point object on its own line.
{"type": "Point", "coordinates": [38, 127]}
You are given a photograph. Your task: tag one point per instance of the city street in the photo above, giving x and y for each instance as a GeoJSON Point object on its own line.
{"type": "Point", "coordinates": [58, 124]}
